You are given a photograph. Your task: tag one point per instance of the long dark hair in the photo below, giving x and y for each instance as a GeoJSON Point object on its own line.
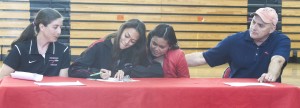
{"type": "Point", "coordinates": [45, 17]}
{"type": "Point", "coordinates": [138, 50]}
{"type": "Point", "coordinates": [166, 32]}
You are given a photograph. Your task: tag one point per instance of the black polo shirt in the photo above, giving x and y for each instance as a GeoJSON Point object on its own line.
{"type": "Point", "coordinates": [25, 57]}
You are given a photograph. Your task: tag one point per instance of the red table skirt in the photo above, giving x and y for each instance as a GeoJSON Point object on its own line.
{"type": "Point", "coordinates": [147, 93]}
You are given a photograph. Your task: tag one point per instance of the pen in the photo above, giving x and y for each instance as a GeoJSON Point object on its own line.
{"type": "Point", "coordinates": [94, 74]}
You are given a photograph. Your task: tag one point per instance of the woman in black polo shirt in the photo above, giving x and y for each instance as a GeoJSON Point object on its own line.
{"type": "Point", "coordinates": [37, 49]}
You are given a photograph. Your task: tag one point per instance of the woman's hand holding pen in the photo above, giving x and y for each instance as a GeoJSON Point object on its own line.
{"type": "Point", "coordinates": [105, 74]}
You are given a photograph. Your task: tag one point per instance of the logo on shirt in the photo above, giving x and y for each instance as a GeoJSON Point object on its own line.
{"type": "Point", "coordinates": [31, 61]}
{"type": "Point", "coordinates": [53, 61]}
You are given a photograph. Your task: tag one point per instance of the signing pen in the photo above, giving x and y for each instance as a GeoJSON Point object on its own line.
{"type": "Point", "coordinates": [94, 74]}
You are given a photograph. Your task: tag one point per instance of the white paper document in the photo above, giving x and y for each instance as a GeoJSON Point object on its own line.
{"type": "Point", "coordinates": [26, 76]}
{"type": "Point", "coordinates": [76, 83]}
{"type": "Point", "coordinates": [239, 84]}
{"type": "Point", "coordinates": [115, 80]}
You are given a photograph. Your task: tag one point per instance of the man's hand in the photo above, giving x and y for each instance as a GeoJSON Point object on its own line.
{"type": "Point", "coordinates": [267, 77]}
{"type": "Point", "coordinates": [274, 69]}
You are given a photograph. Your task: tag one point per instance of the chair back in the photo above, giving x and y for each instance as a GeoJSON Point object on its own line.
{"type": "Point", "coordinates": [226, 73]}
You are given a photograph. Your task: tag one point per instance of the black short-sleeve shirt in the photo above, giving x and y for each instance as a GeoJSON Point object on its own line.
{"type": "Point", "coordinates": [24, 56]}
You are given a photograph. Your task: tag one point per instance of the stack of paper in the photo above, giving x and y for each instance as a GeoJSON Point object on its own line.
{"type": "Point", "coordinates": [248, 84]}
{"type": "Point", "coordinates": [26, 76]}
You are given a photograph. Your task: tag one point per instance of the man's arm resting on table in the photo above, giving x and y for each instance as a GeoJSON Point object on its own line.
{"type": "Point", "coordinates": [274, 69]}
{"type": "Point", "coordinates": [5, 71]}
{"type": "Point", "coordinates": [195, 59]}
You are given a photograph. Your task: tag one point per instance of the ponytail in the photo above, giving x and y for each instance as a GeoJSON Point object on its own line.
{"type": "Point", "coordinates": [27, 34]}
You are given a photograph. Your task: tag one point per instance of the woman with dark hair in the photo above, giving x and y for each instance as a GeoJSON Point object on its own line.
{"type": "Point", "coordinates": [37, 49]}
{"type": "Point", "coordinates": [162, 44]}
{"type": "Point", "coordinates": [116, 55]}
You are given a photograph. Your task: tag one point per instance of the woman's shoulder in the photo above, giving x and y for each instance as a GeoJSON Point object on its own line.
{"type": "Point", "coordinates": [59, 44]}
{"type": "Point", "coordinates": [101, 43]}
{"type": "Point", "coordinates": [175, 52]}
{"type": "Point", "coordinates": [174, 56]}
{"type": "Point", "coordinates": [99, 46]}
{"type": "Point", "coordinates": [23, 44]}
